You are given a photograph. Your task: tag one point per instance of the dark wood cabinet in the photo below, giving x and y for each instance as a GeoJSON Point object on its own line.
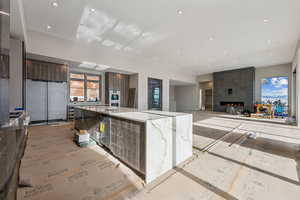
{"type": "Point", "coordinates": [45, 71]}
{"type": "Point", "coordinates": [116, 81]}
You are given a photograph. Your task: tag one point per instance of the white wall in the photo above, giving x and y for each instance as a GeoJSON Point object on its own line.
{"type": "Point", "coordinates": [166, 94]}
{"type": "Point", "coordinates": [297, 103]}
{"type": "Point", "coordinates": [172, 104]}
{"type": "Point", "coordinates": [186, 98]}
{"type": "Point", "coordinates": [15, 75]}
{"type": "Point", "coordinates": [296, 68]}
{"type": "Point", "coordinates": [205, 78]}
{"type": "Point", "coordinates": [272, 71]}
{"type": "Point", "coordinates": [204, 86]}
{"type": "Point", "coordinates": [293, 94]}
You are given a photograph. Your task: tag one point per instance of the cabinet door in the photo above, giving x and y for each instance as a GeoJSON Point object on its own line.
{"type": "Point", "coordinates": [36, 100]}
{"type": "Point", "coordinates": [57, 100]}
{"type": "Point", "coordinates": [4, 101]}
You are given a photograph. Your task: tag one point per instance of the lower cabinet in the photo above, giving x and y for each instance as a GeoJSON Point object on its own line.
{"type": "Point", "coordinates": [127, 142]}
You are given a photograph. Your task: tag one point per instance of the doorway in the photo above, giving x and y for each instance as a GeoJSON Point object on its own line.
{"type": "Point", "coordinates": [208, 99]}
{"type": "Point", "coordinates": [154, 94]}
{"type": "Point", "coordinates": [206, 95]}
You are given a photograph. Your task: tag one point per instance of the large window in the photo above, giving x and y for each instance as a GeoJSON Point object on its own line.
{"type": "Point", "coordinates": [92, 88]}
{"type": "Point", "coordinates": [275, 89]}
{"type": "Point", "coordinates": [77, 90]}
{"type": "Point", "coordinates": [274, 92]}
{"type": "Point", "coordinates": [84, 87]}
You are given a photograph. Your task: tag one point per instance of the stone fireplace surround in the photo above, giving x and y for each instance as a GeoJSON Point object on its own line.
{"type": "Point", "coordinates": [234, 87]}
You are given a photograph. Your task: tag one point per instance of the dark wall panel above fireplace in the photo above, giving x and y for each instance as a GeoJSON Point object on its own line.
{"type": "Point", "coordinates": [234, 86]}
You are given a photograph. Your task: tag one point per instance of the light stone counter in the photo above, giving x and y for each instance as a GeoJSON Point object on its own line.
{"type": "Point", "coordinates": [107, 109]}
{"type": "Point", "coordinates": [122, 112]}
{"type": "Point", "coordinates": [137, 116]}
{"type": "Point", "coordinates": [165, 113]}
{"type": "Point", "coordinates": [182, 126]}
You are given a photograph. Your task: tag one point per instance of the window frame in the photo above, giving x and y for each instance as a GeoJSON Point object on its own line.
{"type": "Point", "coordinates": [85, 81]}
{"type": "Point", "coordinates": [82, 80]}
{"type": "Point", "coordinates": [269, 77]}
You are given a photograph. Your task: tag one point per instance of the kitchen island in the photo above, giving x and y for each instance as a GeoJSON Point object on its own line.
{"type": "Point", "coordinates": [182, 127]}
{"type": "Point", "coordinates": [144, 141]}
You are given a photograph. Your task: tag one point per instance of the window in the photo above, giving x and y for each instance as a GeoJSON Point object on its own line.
{"type": "Point", "coordinates": [274, 89]}
{"type": "Point", "coordinates": [274, 92]}
{"type": "Point", "coordinates": [77, 76]}
{"type": "Point", "coordinates": [84, 87]}
{"type": "Point", "coordinates": [92, 78]}
{"type": "Point", "coordinates": [93, 90]}
{"type": "Point", "coordinates": [77, 90]}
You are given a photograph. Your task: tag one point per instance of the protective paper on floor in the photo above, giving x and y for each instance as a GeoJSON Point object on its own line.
{"type": "Point", "coordinates": [58, 169]}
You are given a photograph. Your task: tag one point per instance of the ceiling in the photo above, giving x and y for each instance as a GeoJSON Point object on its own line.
{"type": "Point", "coordinates": [192, 37]}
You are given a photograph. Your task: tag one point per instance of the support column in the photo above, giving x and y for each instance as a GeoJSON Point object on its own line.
{"type": "Point", "coordinates": [293, 95]}
{"type": "Point", "coordinates": [166, 95]}
{"type": "Point", "coordinates": [298, 91]}
{"type": "Point", "coordinates": [16, 74]}
{"type": "Point", "coordinates": [4, 61]}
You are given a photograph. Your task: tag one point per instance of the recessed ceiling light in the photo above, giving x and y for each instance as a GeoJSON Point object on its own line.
{"type": "Point", "coordinates": [211, 38]}
{"type": "Point", "coordinates": [266, 20]}
{"type": "Point", "coordinates": [92, 9]}
{"type": "Point", "coordinates": [54, 4]}
{"type": "Point", "coordinates": [49, 27]}
{"type": "Point", "coordinates": [179, 12]}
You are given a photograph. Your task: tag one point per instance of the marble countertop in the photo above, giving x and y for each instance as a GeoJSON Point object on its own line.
{"type": "Point", "coordinates": [138, 116]}
{"type": "Point", "coordinates": [107, 109]}
{"type": "Point", "coordinates": [165, 113]}
{"type": "Point", "coordinates": [123, 112]}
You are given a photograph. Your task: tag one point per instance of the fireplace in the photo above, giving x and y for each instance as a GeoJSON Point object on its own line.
{"type": "Point", "coordinates": [234, 88]}
{"type": "Point", "coordinates": [232, 103]}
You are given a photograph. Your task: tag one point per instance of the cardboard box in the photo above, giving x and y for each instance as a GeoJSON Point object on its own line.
{"type": "Point", "coordinates": [80, 138]}
{"type": "Point", "coordinates": [83, 132]}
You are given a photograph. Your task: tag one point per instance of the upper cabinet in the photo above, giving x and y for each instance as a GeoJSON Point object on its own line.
{"type": "Point", "coordinates": [45, 71]}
